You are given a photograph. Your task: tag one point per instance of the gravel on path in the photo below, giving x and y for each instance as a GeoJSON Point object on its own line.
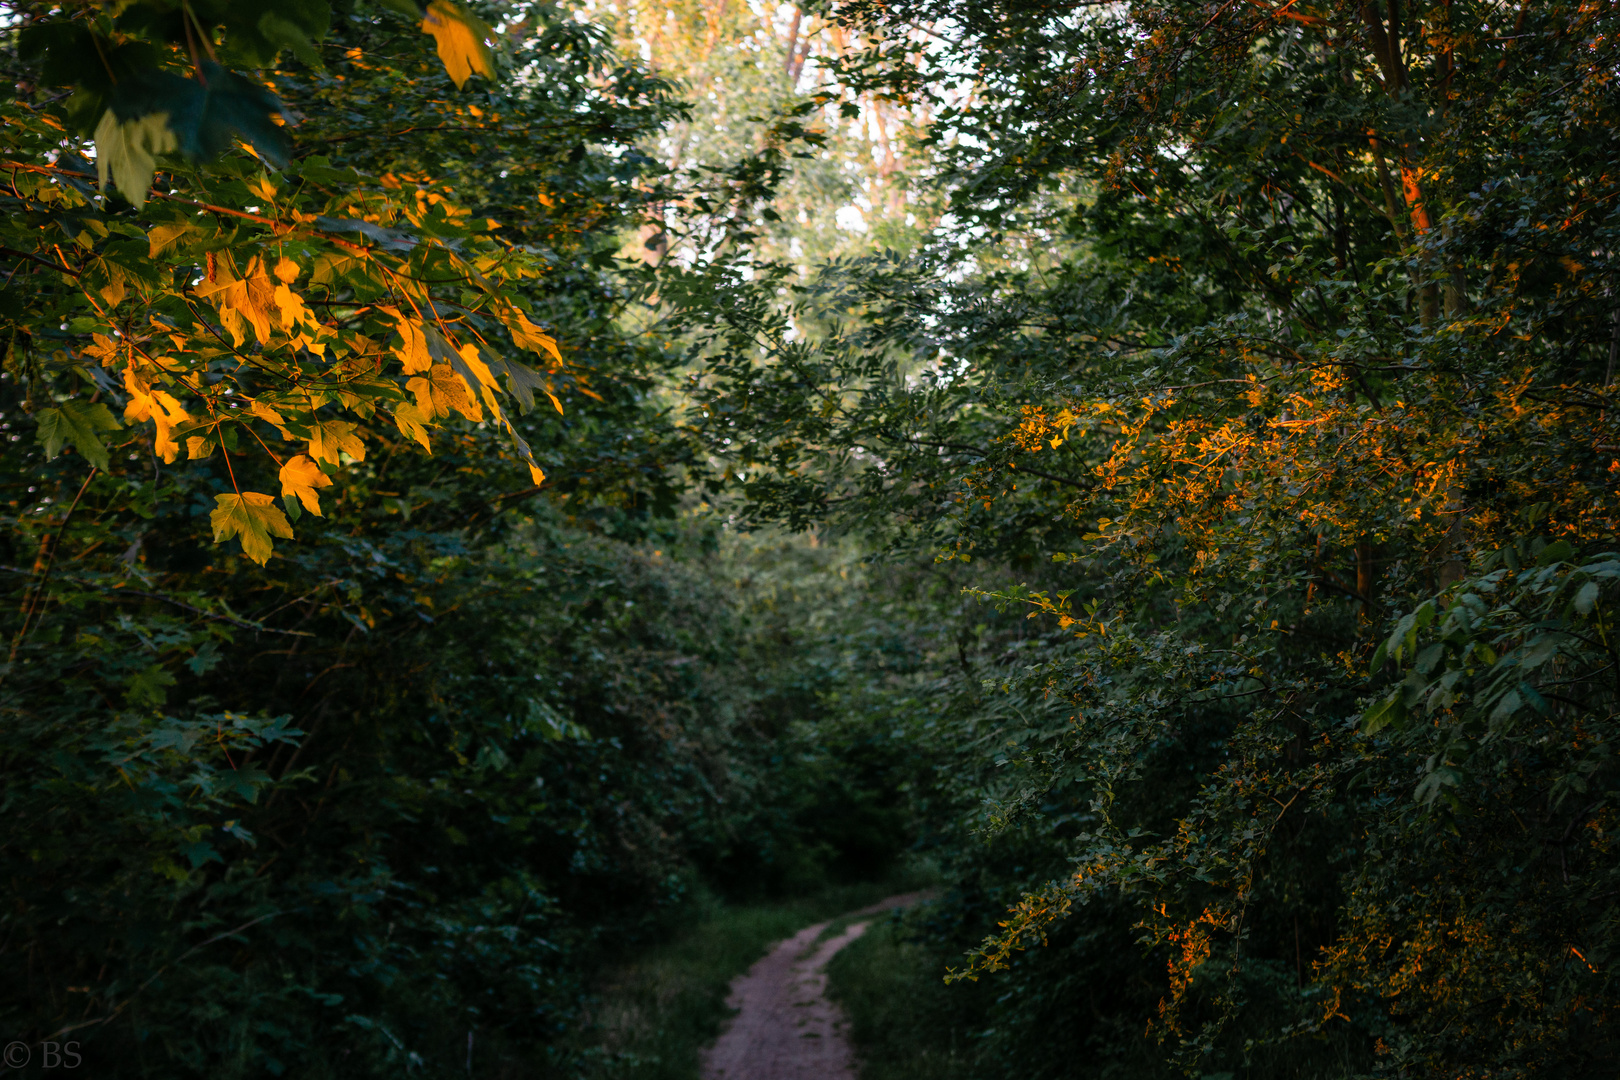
{"type": "Point", "coordinates": [785, 1028]}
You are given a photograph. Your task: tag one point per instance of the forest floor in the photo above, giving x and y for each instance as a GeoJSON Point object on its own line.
{"type": "Point", "coordinates": [785, 1028]}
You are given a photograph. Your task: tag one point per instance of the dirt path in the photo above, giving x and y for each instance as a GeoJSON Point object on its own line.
{"type": "Point", "coordinates": [785, 1028]}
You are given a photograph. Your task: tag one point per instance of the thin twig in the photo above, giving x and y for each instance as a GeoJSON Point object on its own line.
{"type": "Point", "coordinates": [116, 591]}
{"type": "Point", "coordinates": [122, 1005]}
{"type": "Point", "coordinates": [45, 576]}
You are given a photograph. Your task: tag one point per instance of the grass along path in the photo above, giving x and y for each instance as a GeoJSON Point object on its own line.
{"type": "Point", "coordinates": [894, 994]}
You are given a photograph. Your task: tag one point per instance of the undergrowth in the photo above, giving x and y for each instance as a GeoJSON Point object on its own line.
{"type": "Point", "coordinates": [893, 990]}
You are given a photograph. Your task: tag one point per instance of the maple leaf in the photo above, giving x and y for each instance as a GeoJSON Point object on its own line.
{"type": "Point", "coordinates": [477, 375]}
{"type": "Point", "coordinates": [245, 299]}
{"type": "Point", "coordinates": [128, 150]}
{"type": "Point", "coordinates": [460, 41]}
{"type": "Point", "coordinates": [160, 407]}
{"type": "Point", "coordinates": [475, 366]}
{"type": "Point", "coordinates": [521, 381]}
{"type": "Point", "coordinates": [442, 391]}
{"type": "Point", "coordinates": [300, 477]}
{"type": "Point", "coordinates": [78, 423]}
{"type": "Point", "coordinates": [334, 437]}
{"type": "Point", "coordinates": [293, 309]}
{"type": "Point", "coordinates": [413, 424]}
{"type": "Point", "coordinates": [164, 237]}
{"type": "Point", "coordinates": [526, 335]}
{"type": "Point", "coordinates": [413, 350]}
{"type": "Point", "coordinates": [271, 417]}
{"type": "Point", "coordinates": [103, 348]}
{"type": "Point", "coordinates": [521, 445]}
{"type": "Point", "coordinates": [254, 518]}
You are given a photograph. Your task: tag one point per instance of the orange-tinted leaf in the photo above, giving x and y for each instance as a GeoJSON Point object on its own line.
{"type": "Point", "coordinates": [460, 41]}
{"type": "Point", "coordinates": [413, 348]}
{"type": "Point", "coordinates": [526, 335]}
{"type": "Point", "coordinates": [246, 299]}
{"type": "Point", "coordinates": [160, 407]}
{"type": "Point", "coordinates": [300, 477]}
{"type": "Point", "coordinates": [443, 391]}
{"type": "Point", "coordinates": [413, 424]}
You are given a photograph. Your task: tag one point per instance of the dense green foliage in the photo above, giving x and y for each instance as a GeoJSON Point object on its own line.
{"type": "Point", "coordinates": [1213, 565]}
{"type": "Point", "coordinates": [384, 799]}
{"type": "Point", "coordinates": [1251, 337]}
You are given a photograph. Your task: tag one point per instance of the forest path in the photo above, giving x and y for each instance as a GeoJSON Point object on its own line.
{"type": "Point", "coordinates": [785, 1028]}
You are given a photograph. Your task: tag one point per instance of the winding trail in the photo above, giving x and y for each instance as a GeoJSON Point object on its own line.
{"type": "Point", "coordinates": [785, 1028]}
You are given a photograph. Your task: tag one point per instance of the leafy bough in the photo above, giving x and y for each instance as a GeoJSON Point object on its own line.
{"type": "Point", "coordinates": [287, 314]}
{"type": "Point", "coordinates": [1521, 656]}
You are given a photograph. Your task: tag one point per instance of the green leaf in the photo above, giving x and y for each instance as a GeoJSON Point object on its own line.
{"type": "Point", "coordinates": [1396, 643]}
{"type": "Point", "coordinates": [164, 237]}
{"type": "Point", "coordinates": [252, 516]}
{"type": "Point", "coordinates": [127, 150]}
{"type": "Point", "coordinates": [1510, 703]}
{"type": "Point", "coordinates": [1428, 658]}
{"type": "Point", "coordinates": [78, 423]}
{"type": "Point", "coordinates": [1430, 789]}
{"type": "Point", "coordinates": [1586, 598]}
{"type": "Point", "coordinates": [1389, 711]}
{"type": "Point", "coordinates": [207, 119]}
{"type": "Point", "coordinates": [1556, 552]}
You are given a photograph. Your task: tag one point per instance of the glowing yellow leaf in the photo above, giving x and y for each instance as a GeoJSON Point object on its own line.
{"type": "Point", "coordinates": [526, 335]}
{"type": "Point", "coordinates": [254, 518]}
{"type": "Point", "coordinates": [334, 437]}
{"type": "Point", "coordinates": [300, 477]}
{"type": "Point", "coordinates": [271, 417]}
{"type": "Point", "coordinates": [443, 391]}
{"type": "Point", "coordinates": [413, 349]}
{"type": "Point", "coordinates": [292, 308]}
{"type": "Point", "coordinates": [413, 423]}
{"type": "Point", "coordinates": [475, 364]}
{"type": "Point", "coordinates": [287, 271]}
{"type": "Point", "coordinates": [460, 41]}
{"type": "Point", "coordinates": [128, 150]}
{"type": "Point", "coordinates": [160, 407]}
{"type": "Point", "coordinates": [246, 299]}
{"type": "Point", "coordinates": [103, 349]}
{"type": "Point", "coordinates": [536, 475]}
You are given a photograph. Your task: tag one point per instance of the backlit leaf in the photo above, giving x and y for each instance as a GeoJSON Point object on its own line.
{"type": "Point", "coordinates": [334, 437]}
{"type": "Point", "coordinates": [159, 406]}
{"type": "Point", "coordinates": [78, 423]}
{"type": "Point", "coordinates": [245, 299]}
{"type": "Point", "coordinates": [127, 150]}
{"type": "Point", "coordinates": [413, 423]}
{"type": "Point", "coordinates": [252, 517]}
{"type": "Point", "coordinates": [442, 392]}
{"type": "Point", "coordinates": [300, 477]}
{"type": "Point", "coordinates": [460, 41]}
{"type": "Point", "coordinates": [526, 335]}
